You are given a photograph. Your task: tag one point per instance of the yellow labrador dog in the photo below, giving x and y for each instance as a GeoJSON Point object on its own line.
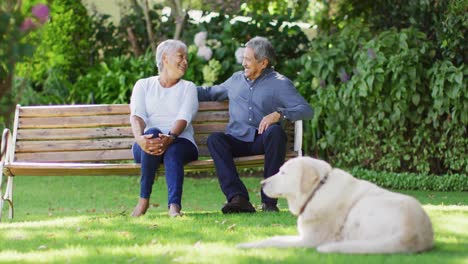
{"type": "Point", "coordinates": [339, 213]}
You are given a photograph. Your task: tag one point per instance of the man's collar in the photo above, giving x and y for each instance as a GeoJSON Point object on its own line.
{"type": "Point", "coordinates": [264, 72]}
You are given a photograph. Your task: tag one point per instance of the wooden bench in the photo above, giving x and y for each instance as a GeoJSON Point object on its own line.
{"type": "Point", "coordinates": [96, 140]}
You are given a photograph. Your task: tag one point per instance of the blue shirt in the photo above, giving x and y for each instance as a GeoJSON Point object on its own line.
{"type": "Point", "coordinates": [250, 101]}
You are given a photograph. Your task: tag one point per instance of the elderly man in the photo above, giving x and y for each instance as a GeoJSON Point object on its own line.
{"type": "Point", "coordinates": [259, 98]}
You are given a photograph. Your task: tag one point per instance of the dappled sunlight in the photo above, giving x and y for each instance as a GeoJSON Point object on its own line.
{"type": "Point", "coordinates": [58, 222]}
{"type": "Point", "coordinates": [451, 208]}
{"type": "Point", "coordinates": [454, 223]}
{"type": "Point", "coordinates": [44, 255]}
{"type": "Point", "coordinates": [194, 253]}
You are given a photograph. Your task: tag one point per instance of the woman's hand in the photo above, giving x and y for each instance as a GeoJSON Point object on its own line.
{"type": "Point", "coordinates": [150, 145]}
{"type": "Point", "coordinates": [165, 141]}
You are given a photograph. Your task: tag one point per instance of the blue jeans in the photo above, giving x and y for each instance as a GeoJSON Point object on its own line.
{"type": "Point", "coordinates": [224, 148]}
{"type": "Point", "coordinates": [180, 152]}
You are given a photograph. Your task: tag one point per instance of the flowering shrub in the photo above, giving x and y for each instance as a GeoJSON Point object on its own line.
{"type": "Point", "coordinates": [211, 72]}
{"type": "Point", "coordinates": [64, 52]}
{"type": "Point", "coordinates": [14, 27]}
{"type": "Point", "coordinates": [203, 51]}
{"type": "Point", "coordinates": [239, 55]}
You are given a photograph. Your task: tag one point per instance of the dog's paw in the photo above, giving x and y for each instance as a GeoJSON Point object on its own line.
{"type": "Point", "coordinates": [246, 245]}
{"type": "Point", "coordinates": [327, 248]}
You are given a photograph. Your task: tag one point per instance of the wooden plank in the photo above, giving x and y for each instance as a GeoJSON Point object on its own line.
{"type": "Point", "coordinates": [203, 150]}
{"type": "Point", "coordinates": [210, 106]}
{"type": "Point", "coordinates": [74, 133]}
{"type": "Point", "coordinates": [74, 145]}
{"type": "Point", "coordinates": [207, 128]}
{"type": "Point", "coordinates": [212, 116]}
{"type": "Point", "coordinates": [74, 121]}
{"type": "Point", "coordinates": [75, 156]}
{"type": "Point", "coordinates": [74, 110]}
{"type": "Point", "coordinates": [129, 169]}
{"type": "Point", "coordinates": [99, 109]}
{"type": "Point", "coordinates": [71, 169]}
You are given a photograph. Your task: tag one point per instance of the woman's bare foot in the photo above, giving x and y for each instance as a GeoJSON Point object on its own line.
{"type": "Point", "coordinates": [141, 207]}
{"type": "Point", "coordinates": [174, 210]}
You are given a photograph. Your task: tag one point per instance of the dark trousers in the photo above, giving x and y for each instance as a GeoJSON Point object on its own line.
{"type": "Point", "coordinates": [224, 148]}
{"type": "Point", "coordinates": [180, 152]}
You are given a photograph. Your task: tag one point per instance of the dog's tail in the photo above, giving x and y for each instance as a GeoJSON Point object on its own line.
{"type": "Point", "coordinates": [393, 244]}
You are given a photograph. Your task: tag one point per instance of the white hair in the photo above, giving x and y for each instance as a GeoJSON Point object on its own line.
{"type": "Point", "coordinates": [169, 46]}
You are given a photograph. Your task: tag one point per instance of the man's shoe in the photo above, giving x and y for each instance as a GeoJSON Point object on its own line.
{"type": "Point", "coordinates": [174, 210]}
{"type": "Point", "coordinates": [269, 207]}
{"type": "Point", "coordinates": [238, 204]}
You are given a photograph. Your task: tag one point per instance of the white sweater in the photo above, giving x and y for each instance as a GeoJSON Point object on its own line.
{"type": "Point", "coordinates": [160, 107]}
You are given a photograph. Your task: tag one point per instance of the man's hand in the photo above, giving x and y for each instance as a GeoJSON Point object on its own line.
{"type": "Point", "coordinates": [267, 121]}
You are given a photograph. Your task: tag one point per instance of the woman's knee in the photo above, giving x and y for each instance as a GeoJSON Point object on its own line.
{"type": "Point", "coordinates": [154, 131]}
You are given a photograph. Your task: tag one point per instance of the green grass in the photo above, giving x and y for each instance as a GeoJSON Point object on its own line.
{"type": "Point", "coordinates": [86, 220]}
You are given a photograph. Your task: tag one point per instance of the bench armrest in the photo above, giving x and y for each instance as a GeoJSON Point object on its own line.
{"type": "Point", "coordinates": [298, 137]}
{"type": "Point", "coordinates": [6, 137]}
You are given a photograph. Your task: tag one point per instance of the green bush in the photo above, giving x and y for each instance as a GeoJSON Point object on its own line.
{"type": "Point", "coordinates": [444, 22]}
{"type": "Point", "coordinates": [413, 181]}
{"type": "Point", "coordinates": [231, 36]}
{"type": "Point", "coordinates": [382, 103]}
{"type": "Point", "coordinates": [111, 81]}
{"type": "Point", "coordinates": [110, 40]}
{"type": "Point", "coordinates": [63, 53]}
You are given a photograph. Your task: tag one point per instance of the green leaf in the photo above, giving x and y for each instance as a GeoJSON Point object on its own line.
{"type": "Point", "coordinates": [416, 98]}
{"type": "Point", "coordinates": [459, 77]}
{"type": "Point", "coordinates": [370, 81]}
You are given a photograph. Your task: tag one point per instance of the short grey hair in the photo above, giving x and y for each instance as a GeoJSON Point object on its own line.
{"type": "Point", "coordinates": [169, 46]}
{"type": "Point", "coordinates": [262, 49]}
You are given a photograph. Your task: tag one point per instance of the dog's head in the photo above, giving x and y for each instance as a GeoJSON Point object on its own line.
{"type": "Point", "coordinates": [296, 180]}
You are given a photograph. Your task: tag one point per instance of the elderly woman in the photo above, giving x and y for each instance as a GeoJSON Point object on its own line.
{"type": "Point", "coordinates": [162, 108]}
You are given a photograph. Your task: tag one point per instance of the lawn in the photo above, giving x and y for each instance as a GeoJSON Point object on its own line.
{"type": "Point", "coordinates": [86, 220]}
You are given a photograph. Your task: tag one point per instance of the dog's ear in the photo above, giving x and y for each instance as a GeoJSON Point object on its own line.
{"type": "Point", "coordinates": [309, 177]}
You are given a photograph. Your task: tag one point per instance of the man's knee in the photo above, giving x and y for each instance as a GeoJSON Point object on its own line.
{"type": "Point", "coordinates": [215, 138]}
{"type": "Point", "coordinates": [275, 131]}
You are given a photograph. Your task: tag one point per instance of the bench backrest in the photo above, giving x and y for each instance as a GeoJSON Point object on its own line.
{"type": "Point", "coordinates": [98, 133]}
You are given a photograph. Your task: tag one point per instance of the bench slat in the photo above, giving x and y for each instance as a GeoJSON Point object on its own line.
{"type": "Point", "coordinates": [86, 155]}
{"type": "Point", "coordinates": [74, 133]}
{"type": "Point", "coordinates": [128, 169]}
{"type": "Point", "coordinates": [73, 110]}
{"type": "Point", "coordinates": [76, 156]}
{"type": "Point", "coordinates": [53, 121]}
{"type": "Point", "coordinates": [85, 144]}
{"type": "Point", "coordinates": [91, 110]}
{"type": "Point", "coordinates": [74, 121]}
{"type": "Point", "coordinates": [73, 145]}
{"type": "Point", "coordinates": [213, 106]}
{"type": "Point", "coordinates": [215, 116]}
{"type": "Point", "coordinates": [101, 132]}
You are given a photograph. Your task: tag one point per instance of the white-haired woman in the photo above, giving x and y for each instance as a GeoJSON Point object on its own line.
{"type": "Point", "coordinates": [162, 108]}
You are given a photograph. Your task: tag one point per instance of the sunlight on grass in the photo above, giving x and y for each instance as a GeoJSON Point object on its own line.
{"type": "Point", "coordinates": [58, 222]}
{"type": "Point", "coordinates": [44, 255]}
{"type": "Point", "coordinates": [88, 226]}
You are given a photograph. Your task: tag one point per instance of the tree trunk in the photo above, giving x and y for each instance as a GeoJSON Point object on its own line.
{"type": "Point", "coordinates": [178, 14]}
{"type": "Point", "coordinates": [7, 105]}
{"type": "Point", "coordinates": [149, 26]}
{"type": "Point", "coordinates": [133, 41]}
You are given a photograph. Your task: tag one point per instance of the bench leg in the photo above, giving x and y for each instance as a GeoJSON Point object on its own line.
{"type": "Point", "coordinates": [7, 197]}
{"type": "Point", "coordinates": [1, 190]}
